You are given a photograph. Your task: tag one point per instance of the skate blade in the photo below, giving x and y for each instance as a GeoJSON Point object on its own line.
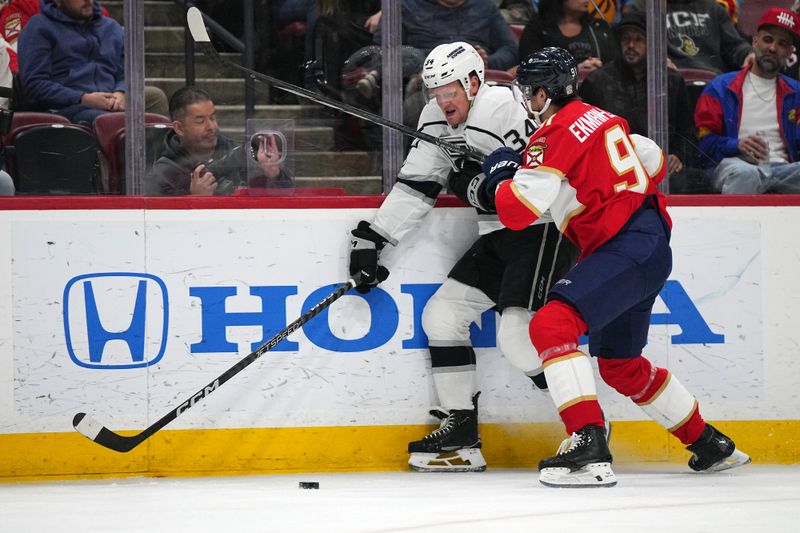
{"type": "Point", "coordinates": [465, 460]}
{"type": "Point", "coordinates": [593, 475]}
{"type": "Point", "coordinates": [735, 459]}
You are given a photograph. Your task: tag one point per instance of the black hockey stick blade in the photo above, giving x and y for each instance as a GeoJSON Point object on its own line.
{"type": "Point", "coordinates": [197, 27]}
{"type": "Point", "coordinates": [89, 427]}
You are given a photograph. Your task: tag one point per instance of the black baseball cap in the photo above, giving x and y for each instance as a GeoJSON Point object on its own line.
{"type": "Point", "coordinates": [635, 20]}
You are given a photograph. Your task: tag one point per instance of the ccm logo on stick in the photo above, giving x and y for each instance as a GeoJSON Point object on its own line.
{"type": "Point", "coordinates": [115, 320]}
{"type": "Point", "coordinates": [199, 395]}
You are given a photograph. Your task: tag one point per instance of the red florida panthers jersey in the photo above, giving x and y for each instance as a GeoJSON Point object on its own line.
{"type": "Point", "coordinates": [584, 167]}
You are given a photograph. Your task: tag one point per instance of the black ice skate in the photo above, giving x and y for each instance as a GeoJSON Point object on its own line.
{"type": "Point", "coordinates": [585, 461]}
{"type": "Point", "coordinates": [453, 447]}
{"type": "Point", "coordinates": [714, 452]}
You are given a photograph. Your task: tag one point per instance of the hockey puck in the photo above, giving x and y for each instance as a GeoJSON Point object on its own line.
{"type": "Point", "coordinates": [309, 484]}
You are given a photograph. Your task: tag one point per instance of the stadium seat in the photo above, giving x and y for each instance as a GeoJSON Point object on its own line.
{"type": "Point", "coordinates": [498, 77]}
{"type": "Point", "coordinates": [292, 30]}
{"type": "Point", "coordinates": [24, 119]}
{"type": "Point", "coordinates": [54, 159]}
{"type": "Point", "coordinates": [696, 75]}
{"type": "Point", "coordinates": [695, 80]}
{"type": "Point", "coordinates": [516, 31]}
{"type": "Point", "coordinates": [109, 129]}
{"type": "Point", "coordinates": [154, 135]}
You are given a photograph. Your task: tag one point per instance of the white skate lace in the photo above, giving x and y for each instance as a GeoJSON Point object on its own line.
{"type": "Point", "coordinates": [569, 444]}
{"type": "Point", "coordinates": [446, 426]}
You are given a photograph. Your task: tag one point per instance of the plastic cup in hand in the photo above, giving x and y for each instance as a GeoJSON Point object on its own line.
{"type": "Point", "coordinates": [763, 163]}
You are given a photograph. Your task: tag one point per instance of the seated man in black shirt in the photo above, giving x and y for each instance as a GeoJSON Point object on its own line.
{"type": "Point", "coordinates": [197, 160]}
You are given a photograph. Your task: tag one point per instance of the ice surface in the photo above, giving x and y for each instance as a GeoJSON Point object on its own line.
{"type": "Point", "coordinates": [647, 499]}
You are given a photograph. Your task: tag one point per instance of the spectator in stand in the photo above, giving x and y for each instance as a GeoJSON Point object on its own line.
{"type": "Point", "coordinates": [515, 11]}
{"type": "Point", "coordinates": [621, 88]}
{"type": "Point", "coordinates": [429, 23]}
{"type": "Point", "coordinates": [701, 35]}
{"type": "Point", "coordinates": [567, 24]}
{"type": "Point", "coordinates": [746, 120]}
{"type": "Point", "coordinates": [185, 166]}
{"type": "Point", "coordinates": [425, 25]}
{"type": "Point", "coordinates": [13, 18]}
{"type": "Point", "coordinates": [336, 29]}
{"type": "Point", "coordinates": [71, 62]}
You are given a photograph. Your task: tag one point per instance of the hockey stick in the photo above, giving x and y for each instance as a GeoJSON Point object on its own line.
{"type": "Point", "coordinates": [194, 19]}
{"type": "Point", "coordinates": [88, 426]}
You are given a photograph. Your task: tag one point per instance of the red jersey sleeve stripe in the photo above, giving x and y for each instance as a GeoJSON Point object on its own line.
{"type": "Point", "coordinates": [514, 211]}
{"type": "Point", "coordinates": [660, 173]}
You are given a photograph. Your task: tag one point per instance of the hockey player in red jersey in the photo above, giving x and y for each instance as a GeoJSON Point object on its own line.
{"type": "Point", "coordinates": [599, 185]}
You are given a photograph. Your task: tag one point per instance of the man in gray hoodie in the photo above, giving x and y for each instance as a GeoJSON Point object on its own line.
{"type": "Point", "coordinates": [187, 166]}
{"type": "Point", "coordinates": [701, 34]}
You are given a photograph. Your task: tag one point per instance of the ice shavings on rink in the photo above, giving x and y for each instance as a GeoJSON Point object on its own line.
{"type": "Point", "coordinates": [648, 499]}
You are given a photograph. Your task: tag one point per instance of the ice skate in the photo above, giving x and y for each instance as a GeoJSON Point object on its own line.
{"type": "Point", "coordinates": [583, 460]}
{"type": "Point", "coordinates": [454, 447]}
{"type": "Point", "coordinates": [714, 452]}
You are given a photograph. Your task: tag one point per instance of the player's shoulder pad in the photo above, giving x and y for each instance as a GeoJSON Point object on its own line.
{"type": "Point", "coordinates": [490, 101]}
{"type": "Point", "coordinates": [495, 93]}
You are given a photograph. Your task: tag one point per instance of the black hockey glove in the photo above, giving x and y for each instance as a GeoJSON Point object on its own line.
{"type": "Point", "coordinates": [499, 166]}
{"type": "Point", "coordinates": [364, 247]}
{"type": "Point", "coordinates": [465, 183]}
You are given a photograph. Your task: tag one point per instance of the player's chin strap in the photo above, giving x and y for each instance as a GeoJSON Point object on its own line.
{"type": "Point", "coordinates": [537, 115]}
{"type": "Point", "coordinates": [524, 95]}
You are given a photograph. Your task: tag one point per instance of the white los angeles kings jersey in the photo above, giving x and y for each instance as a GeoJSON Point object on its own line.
{"type": "Point", "coordinates": [495, 120]}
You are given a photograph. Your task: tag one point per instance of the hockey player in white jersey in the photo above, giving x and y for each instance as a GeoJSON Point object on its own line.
{"type": "Point", "coordinates": [510, 271]}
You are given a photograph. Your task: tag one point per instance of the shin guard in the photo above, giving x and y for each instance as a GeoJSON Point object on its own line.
{"type": "Point", "coordinates": [659, 393]}
{"type": "Point", "coordinates": [554, 332]}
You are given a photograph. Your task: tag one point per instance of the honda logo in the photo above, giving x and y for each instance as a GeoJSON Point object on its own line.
{"type": "Point", "coordinates": [116, 320]}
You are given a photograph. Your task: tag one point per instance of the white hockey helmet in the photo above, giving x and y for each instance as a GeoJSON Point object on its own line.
{"type": "Point", "coordinates": [452, 62]}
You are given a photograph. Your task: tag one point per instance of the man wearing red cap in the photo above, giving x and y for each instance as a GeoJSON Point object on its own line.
{"type": "Point", "coordinates": [747, 120]}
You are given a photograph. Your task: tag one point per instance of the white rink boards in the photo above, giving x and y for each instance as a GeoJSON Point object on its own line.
{"type": "Point", "coordinates": [202, 288]}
